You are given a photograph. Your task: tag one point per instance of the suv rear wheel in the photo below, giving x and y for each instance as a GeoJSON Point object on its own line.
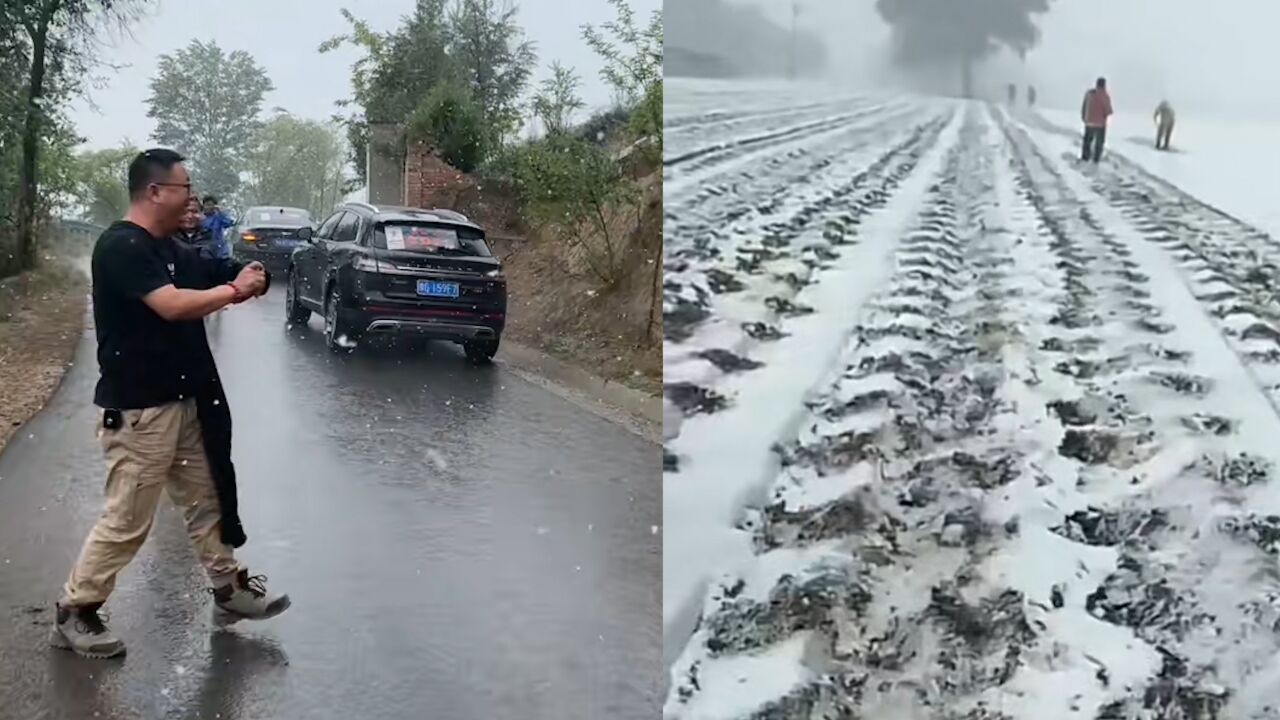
{"type": "Point", "coordinates": [481, 352]}
{"type": "Point", "coordinates": [295, 311]}
{"type": "Point", "coordinates": [337, 336]}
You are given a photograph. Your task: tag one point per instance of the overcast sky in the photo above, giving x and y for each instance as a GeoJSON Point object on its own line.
{"type": "Point", "coordinates": [283, 35]}
{"type": "Point", "coordinates": [1206, 56]}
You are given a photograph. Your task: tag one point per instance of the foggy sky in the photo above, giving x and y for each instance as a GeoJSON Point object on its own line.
{"type": "Point", "coordinates": [1211, 57]}
{"type": "Point", "coordinates": [283, 35]}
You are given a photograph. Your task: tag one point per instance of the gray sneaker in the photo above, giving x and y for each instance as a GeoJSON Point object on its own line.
{"type": "Point", "coordinates": [246, 598]}
{"type": "Point", "coordinates": [82, 631]}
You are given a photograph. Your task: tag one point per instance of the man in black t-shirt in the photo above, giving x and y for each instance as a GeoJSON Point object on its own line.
{"type": "Point", "coordinates": [150, 295]}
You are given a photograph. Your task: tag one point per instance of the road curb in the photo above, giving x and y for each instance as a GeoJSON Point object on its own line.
{"type": "Point", "coordinates": [636, 411]}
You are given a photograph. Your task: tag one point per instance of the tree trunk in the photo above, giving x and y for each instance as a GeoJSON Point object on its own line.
{"type": "Point", "coordinates": [654, 317]}
{"type": "Point", "coordinates": [27, 179]}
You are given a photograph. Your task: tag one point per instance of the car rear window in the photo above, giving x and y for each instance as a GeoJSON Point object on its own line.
{"type": "Point", "coordinates": [289, 217]}
{"type": "Point", "coordinates": [430, 239]}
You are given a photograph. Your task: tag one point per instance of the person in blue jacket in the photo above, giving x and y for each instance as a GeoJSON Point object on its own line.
{"type": "Point", "coordinates": [216, 221]}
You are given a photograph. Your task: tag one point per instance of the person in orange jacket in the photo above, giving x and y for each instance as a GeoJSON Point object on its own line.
{"type": "Point", "coordinates": [1095, 112]}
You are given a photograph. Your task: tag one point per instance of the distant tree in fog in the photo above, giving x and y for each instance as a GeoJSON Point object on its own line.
{"type": "Point", "coordinates": [728, 38]}
{"type": "Point", "coordinates": [295, 162]}
{"type": "Point", "coordinates": [942, 32]}
{"type": "Point", "coordinates": [206, 105]}
{"type": "Point", "coordinates": [98, 186]}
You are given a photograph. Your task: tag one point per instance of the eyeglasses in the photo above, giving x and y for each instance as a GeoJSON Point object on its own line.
{"type": "Point", "coordinates": [181, 185]}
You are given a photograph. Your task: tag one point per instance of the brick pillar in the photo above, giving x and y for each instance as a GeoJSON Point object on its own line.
{"type": "Point", "coordinates": [384, 164]}
{"type": "Point", "coordinates": [414, 157]}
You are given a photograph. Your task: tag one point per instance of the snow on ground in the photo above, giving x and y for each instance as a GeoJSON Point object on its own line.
{"type": "Point", "coordinates": [1234, 166]}
{"type": "Point", "coordinates": [966, 429]}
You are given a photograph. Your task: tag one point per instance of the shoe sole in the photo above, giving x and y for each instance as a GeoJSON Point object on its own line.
{"type": "Point", "coordinates": [223, 617]}
{"type": "Point", "coordinates": [58, 640]}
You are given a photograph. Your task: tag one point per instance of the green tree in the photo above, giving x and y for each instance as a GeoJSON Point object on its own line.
{"type": "Point", "coordinates": [633, 66]}
{"type": "Point", "coordinates": [98, 183]}
{"type": "Point", "coordinates": [490, 51]}
{"type": "Point", "coordinates": [296, 163]}
{"type": "Point", "coordinates": [454, 122]}
{"type": "Point", "coordinates": [206, 104]}
{"type": "Point", "coordinates": [471, 44]}
{"type": "Point", "coordinates": [557, 100]}
{"type": "Point", "coordinates": [52, 44]}
{"type": "Point", "coordinates": [572, 182]}
{"type": "Point", "coordinates": [13, 71]}
{"type": "Point", "coordinates": [577, 187]}
{"type": "Point", "coordinates": [394, 73]}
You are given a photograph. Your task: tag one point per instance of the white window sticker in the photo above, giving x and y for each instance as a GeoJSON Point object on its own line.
{"type": "Point", "coordinates": [264, 216]}
{"type": "Point", "coordinates": [395, 238]}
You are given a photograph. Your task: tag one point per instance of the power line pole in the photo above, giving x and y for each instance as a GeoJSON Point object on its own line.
{"type": "Point", "coordinates": [795, 16]}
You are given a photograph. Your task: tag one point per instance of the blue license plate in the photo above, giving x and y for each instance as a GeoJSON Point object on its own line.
{"type": "Point", "coordinates": [435, 288]}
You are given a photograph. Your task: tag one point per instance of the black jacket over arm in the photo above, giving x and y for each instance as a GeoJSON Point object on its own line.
{"type": "Point", "coordinates": [211, 401]}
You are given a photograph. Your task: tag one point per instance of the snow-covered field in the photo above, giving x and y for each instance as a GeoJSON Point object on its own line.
{"type": "Point", "coordinates": [1232, 166]}
{"type": "Point", "coordinates": [966, 429]}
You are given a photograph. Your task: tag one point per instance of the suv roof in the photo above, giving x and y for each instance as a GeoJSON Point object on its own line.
{"type": "Point", "coordinates": [385, 213]}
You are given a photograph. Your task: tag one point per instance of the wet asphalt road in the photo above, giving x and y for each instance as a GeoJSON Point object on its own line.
{"type": "Point", "coordinates": [457, 542]}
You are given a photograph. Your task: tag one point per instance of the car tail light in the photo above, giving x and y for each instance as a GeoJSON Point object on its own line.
{"type": "Point", "coordinates": [248, 237]}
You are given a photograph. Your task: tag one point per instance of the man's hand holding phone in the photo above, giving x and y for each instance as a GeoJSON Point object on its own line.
{"type": "Point", "coordinates": [252, 280]}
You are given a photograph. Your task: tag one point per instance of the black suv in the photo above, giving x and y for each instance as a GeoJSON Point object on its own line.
{"type": "Point", "coordinates": [396, 269]}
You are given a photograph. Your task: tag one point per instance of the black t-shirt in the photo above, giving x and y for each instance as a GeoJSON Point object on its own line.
{"type": "Point", "coordinates": [145, 360]}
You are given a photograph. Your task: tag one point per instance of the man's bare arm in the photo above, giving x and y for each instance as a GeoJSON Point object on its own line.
{"type": "Point", "coordinates": [174, 304]}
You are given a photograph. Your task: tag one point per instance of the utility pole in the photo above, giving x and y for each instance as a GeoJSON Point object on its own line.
{"type": "Point", "coordinates": [795, 16]}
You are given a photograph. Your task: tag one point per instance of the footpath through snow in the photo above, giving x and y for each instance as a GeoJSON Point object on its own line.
{"type": "Point", "coordinates": [966, 430]}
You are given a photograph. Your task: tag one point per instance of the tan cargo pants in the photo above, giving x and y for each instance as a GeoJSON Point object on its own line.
{"type": "Point", "coordinates": [159, 447]}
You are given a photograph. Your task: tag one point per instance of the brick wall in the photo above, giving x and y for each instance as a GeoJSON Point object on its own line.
{"type": "Point", "coordinates": [429, 181]}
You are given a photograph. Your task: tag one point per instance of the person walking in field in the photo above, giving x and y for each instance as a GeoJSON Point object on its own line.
{"type": "Point", "coordinates": [1095, 112]}
{"type": "Point", "coordinates": [1164, 124]}
{"type": "Point", "coordinates": [150, 295]}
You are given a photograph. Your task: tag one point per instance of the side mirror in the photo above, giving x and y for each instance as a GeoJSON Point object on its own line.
{"type": "Point", "coordinates": [305, 233]}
